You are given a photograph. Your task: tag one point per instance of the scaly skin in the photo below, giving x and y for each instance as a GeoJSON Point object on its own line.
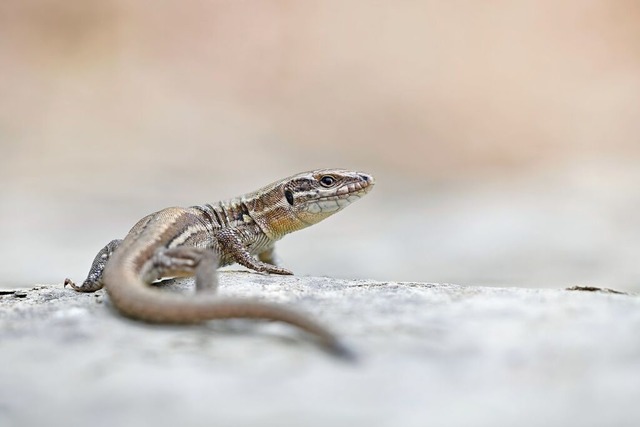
{"type": "Point", "coordinates": [178, 242]}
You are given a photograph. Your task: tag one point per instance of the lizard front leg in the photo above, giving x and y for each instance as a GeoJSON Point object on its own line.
{"type": "Point", "coordinates": [231, 244]}
{"type": "Point", "coordinates": [93, 282]}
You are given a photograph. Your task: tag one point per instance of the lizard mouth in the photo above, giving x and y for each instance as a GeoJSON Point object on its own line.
{"type": "Point", "coordinates": [356, 188]}
{"type": "Point", "coordinates": [344, 195]}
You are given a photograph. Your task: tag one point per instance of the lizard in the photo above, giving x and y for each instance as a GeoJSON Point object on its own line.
{"type": "Point", "coordinates": [196, 240]}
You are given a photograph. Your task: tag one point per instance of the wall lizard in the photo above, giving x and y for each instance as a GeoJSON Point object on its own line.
{"type": "Point", "coordinates": [195, 241]}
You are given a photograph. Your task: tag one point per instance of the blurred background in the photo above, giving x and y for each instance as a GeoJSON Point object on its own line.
{"type": "Point", "coordinates": [504, 136]}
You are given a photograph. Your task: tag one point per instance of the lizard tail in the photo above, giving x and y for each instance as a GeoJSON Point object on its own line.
{"type": "Point", "coordinates": [135, 299]}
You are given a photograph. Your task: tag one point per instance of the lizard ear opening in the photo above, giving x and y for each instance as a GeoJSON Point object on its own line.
{"type": "Point", "coordinates": [289, 196]}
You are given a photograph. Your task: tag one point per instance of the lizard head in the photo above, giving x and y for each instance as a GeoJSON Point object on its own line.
{"type": "Point", "coordinates": [316, 195]}
{"type": "Point", "coordinates": [309, 197]}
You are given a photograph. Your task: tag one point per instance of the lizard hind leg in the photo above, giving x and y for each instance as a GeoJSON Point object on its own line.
{"type": "Point", "coordinates": [93, 282]}
{"type": "Point", "coordinates": [188, 261]}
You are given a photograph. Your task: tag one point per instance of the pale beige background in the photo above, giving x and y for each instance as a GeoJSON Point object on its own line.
{"type": "Point", "coordinates": [503, 135]}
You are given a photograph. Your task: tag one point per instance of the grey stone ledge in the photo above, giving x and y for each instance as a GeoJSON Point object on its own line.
{"type": "Point", "coordinates": [429, 354]}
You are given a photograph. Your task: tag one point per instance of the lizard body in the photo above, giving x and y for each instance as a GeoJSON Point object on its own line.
{"type": "Point", "coordinates": [179, 242]}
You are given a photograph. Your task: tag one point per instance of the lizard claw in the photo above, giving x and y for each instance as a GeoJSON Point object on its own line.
{"type": "Point", "coordinates": [272, 269]}
{"type": "Point", "coordinates": [70, 283]}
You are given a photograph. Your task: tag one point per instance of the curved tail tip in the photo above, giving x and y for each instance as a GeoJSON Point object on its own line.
{"type": "Point", "coordinates": [341, 351]}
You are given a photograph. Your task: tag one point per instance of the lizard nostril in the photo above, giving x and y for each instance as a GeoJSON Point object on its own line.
{"type": "Point", "coordinates": [368, 179]}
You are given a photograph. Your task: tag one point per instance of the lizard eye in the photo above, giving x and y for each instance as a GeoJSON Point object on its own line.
{"type": "Point", "coordinates": [327, 181]}
{"type": "Point", "coordinates": [289, 196]}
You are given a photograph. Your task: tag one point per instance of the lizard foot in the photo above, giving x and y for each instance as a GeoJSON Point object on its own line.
{"type": "Point", "coordinates": [272, 269]}
{"type": "Point", "coordinates": [87, 285]}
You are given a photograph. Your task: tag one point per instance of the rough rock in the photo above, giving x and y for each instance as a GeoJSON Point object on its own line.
{"type": "Point", "coordinates": [429, 354]}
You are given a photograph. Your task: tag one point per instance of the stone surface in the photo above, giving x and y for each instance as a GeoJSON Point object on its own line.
{"type": "Point", "coordinates": [429, 354]}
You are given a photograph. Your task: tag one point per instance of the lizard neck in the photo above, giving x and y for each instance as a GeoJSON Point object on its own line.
{"type": "Point", "coordinates": [271, 213]}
